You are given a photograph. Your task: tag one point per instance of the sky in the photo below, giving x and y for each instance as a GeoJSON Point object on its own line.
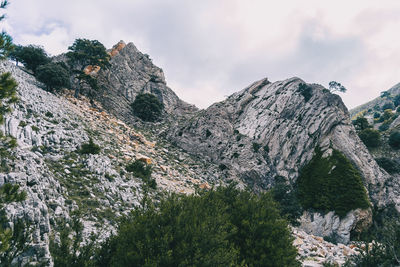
{"type": "Point", "coordinates": [210, 49]}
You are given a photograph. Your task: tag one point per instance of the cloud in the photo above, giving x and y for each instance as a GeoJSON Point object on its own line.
{"type": "Point", "coordinates": [209, 49]}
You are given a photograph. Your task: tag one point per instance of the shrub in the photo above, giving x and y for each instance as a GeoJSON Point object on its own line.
{"type": "Point", "coordinates": [322, 180]}
{"type": "Point", "coordinates": [388, 165]}
{"type": "Point", "coordinates": [305, 91]}
{"type": "Point", "coordinates": [361, 123]}
{"type": "Point", "coordinates": [219, 227]}
{"type": "Point", "coordinates": [8, 95]}
{"type": "Point", "coordinates": [89, 148]}
{"type": "Point", "coordinates": [147, 107]}
{"type": "Point", "coordinates": [31, 56]}
{"type": "Point", "coordinates": [208, 133]}
{"type": "Point", "coordinates": [384, 126]}
{"type": "Point", "coordinates": [142, 170]}
{"type": "Point", "coordinates": [54, 76]}
{"type": "Point", "coordinates": [286, 196]}
{"type": "Point", "coordinates": [394, 140]}
{"type": "Point", "coordinates": [388, 105]}
{"type": "Point", "coordinates": [256, 147]}
{"type": "Point", "coordinates": [377, 115]}
{"type": "Point", "coordinates": [222, 167]}
{"type": "Point", "coordinates": [370, 137]}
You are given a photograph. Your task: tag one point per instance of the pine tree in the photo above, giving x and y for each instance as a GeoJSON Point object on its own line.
{"type": "Point", "coordinates": [8, 87]}
{"type": "Point", "coordinates": [83, 53]}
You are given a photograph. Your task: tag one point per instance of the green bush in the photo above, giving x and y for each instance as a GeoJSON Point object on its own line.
{"type": "Point", "coordinates": [388, 165]}
{"type": "Point", "coordinates": [322, 182]}
{"type": "Point", "coordinates": [8, 95]}
{"type": "Point", "coordinates": [361, 123]}
{"type": "Point", "coordinates": [286, 196]}
{"type": "Point", "coordinates": [388, 105]}
{"type": "Point", "coordinates": [306, 91]}
{"type": "Point", "coordinates": [89, 148]}
{"type": "Point", "coordinates": [384, 126]}
{"type": "Point", "coordinates": [147, 107]}
{"type": "Point", "coordinates": [220, 227]}
{"type": "Point", "coordinates": [370, 137]}
{"type": "Point", "coordinates": [394, 140]}
{"type": "Point", "coordinates": [54, 75]}
{"type": "Point", "coordinates": [142, 170]}
{"type": "Point", "coordinates": [256, 147]}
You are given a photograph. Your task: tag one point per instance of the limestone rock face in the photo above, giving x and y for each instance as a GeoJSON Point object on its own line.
{"type": "Point", "coordinates": [330, 225]}
{"type": "Point", "coordinates": [131, 73]}
{"type": "Point", "coordinates": [268, 129]}
{"type": "Point", "coordinates": [271, 129]}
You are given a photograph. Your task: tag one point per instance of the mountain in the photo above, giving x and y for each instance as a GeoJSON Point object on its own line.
{"type": "Point", "coordinates": [266, 132]}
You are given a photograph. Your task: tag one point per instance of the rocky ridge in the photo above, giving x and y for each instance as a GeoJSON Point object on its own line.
{"type": "Point", "coordinates": [271, 129]}
{"type": "Point", "coordinates": [131, 73]}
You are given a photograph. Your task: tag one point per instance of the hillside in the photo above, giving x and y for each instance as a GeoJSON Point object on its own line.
{"type": "Point", "coordinates": [263, 136]}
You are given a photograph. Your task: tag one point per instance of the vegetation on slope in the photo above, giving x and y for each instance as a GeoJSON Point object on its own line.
{"type": "Point", "coordinates": [331, 184]}
{"type": "Point", "coordinates": [220, 227]}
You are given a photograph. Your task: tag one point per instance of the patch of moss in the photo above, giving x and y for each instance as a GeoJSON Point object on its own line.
{"type": "Point", "coordinates": [331, 184]}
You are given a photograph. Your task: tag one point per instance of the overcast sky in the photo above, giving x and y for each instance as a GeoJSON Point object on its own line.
{"type": "Point", "coordinates": [209, 49]}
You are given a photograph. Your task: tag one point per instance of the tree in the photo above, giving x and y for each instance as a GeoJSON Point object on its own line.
{"type": "Point", "coordinates": [54, 75]}
{"type": "Point", "coordinates": [361, 123]}
{"type": "Point", "coordinates": [6, 45]}
{"type": "Point", "coordinates": [336, 87]}
{"type": "Point", "coordinates": [13, 242]}
{"type": "Point", "coordinates": [83, 53]}
{"type": "Point", "coordinates": [370, 137]}
{"type": "Point", "coordinates": [147, 107]}
{"type": "Point", "coordinates": [32, 56]}
{"type": "Point", "coordinates": [8, 87]}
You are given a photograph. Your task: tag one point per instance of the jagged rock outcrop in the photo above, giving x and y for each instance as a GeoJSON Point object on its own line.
{"type": "Point", "coordinates": [272, 129]}
{"type": "Point", "coordinates": [131, 73]}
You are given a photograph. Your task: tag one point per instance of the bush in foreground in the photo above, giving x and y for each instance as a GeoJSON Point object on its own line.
{"type": "Point", "coordinates": [221, 227]}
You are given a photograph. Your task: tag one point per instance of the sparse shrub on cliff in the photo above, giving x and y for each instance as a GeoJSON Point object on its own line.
{"type": "Point", "coordinates": [142, 170]}
{"type": "Point", "coordinates": [387, 105]}
{"type": "Point", "coordinates": [361, 123]}
{"type": "Point", "coordinates": [147, 107]}
{"type": "Point", "coordinates": [218, 227]}
{"type": "Point", "coordinates": [388, 165]}
{"type": "Point", "coordinates": [322, 182]}
{"type": "Point", "coordinates": [256, 147]}
{"type": "Point", "coordinates": [306, 91]}
{"type": "Point", "coordinates": [370, 137]}
{"type": "Point", "coordinates": [89, 148]}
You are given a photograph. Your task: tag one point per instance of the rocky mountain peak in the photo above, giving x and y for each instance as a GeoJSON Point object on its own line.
{"type": "Point", "coordinates": [131, 73]}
